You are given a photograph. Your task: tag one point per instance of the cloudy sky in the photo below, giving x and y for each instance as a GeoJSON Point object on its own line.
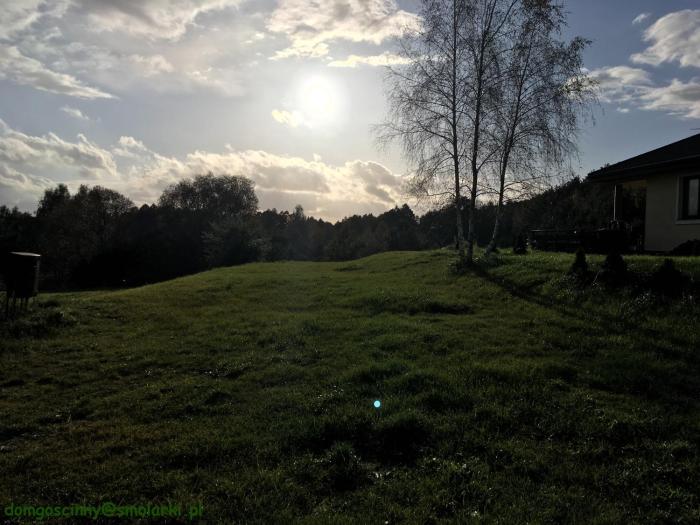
{"type": "Point", "coordinates": [136, 94]}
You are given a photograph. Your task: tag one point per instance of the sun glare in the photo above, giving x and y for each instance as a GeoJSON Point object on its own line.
{"type": "Point", "coordinates": [318, 101]}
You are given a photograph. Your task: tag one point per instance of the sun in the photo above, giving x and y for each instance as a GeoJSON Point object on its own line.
{"type": "Point", "coordinates": [318, 101]}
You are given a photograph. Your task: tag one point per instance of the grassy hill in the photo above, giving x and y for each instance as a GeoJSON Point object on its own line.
{"type": "Point", "coordinates": [506, 396]}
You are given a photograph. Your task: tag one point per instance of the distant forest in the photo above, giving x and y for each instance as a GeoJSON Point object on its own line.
{"type": "Point", "coordinates": [96, 237]}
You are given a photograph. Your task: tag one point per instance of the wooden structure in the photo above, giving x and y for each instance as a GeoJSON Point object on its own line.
{"type": "Point", "coordinates": [21, 275]}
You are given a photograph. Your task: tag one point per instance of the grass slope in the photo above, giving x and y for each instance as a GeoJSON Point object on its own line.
{"type": "Point", "coordinates": [506, 396]}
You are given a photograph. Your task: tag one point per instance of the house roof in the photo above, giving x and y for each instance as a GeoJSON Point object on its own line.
{"type": "Point", "coordinates": [681, 154]}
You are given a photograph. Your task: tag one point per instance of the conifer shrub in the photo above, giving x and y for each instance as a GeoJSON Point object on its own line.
{"type": "Point", "coordinates": [614, 271]}
{"type": "Point", "coordinates": [579, 268]}
{"type": "Point", "coordinates": [668, 281]}
{"type": "Point", "coordinates": [520, 245]}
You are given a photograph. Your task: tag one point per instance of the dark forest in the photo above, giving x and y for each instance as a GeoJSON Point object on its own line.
{"type": "Point", "coordinates": [97, 237]}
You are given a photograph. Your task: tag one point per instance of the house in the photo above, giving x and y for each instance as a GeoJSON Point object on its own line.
{"type": "Point", "coordinates": [670, 177]}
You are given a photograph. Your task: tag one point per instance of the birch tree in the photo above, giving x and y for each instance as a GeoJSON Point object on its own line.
{"type": "Point", "coordinates": [487, 85]}
{"type": "Point", "coordinates": [427, 99]}
{"type": "Point", "coordinates": [542, 93]}
{"type": "Point", "coordinates": [487, 23]}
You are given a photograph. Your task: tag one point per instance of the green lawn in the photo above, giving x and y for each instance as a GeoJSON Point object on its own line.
{"type": "Point", "coordinates": [507, 396]}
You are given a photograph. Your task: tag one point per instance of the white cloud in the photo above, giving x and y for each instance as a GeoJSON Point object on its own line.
{"type": "Point", "coordinates": [292, 119]}
{"type": "Point", "coordinates": [153, 19]}
{"type": "Point", "coordinates": [310, 27]}
{"type": "Point", "coordinates": [95, 48]}
{"type": "Point", "coordinates": [629, 86]}
{"type": "Point", "coordinates": [167, 46]}
{"type": "Point", "coordinates": [151, 65]}
{"type": "Point", "coordinates": [49, 153]}
{"type": "Point", "coordinates": [30, 72]}
{"type": "Point", "coordinates": [75, 113]}
{"type": "Point", "coordinates": [621, 83]}
{"type": "Point", "coordinates": [325, 190]}
{"type": "Point", "coordinates": [12, 178]}
{"type": "Point", "coordinates": [32, 163]}
{"type": "Point", "coordinates": [384, 59]}
{"type": "Point", "coordinates": [361, 182]}
{"type": "Point", "coordinates": [220, 80]}
{"type": "Point", "coordinates": [673, 38]}
{"type": "Point", "coordinates": [129, 147]}
{"type": "Point", "coordinates": [18, 15]}
{"type": "Point", "coordinates": [19, 189]}
{"type": "Point", "coordinates": [641, 18]}
{"type": "Point", "coordinates": [677, 98]}
{"type": "Point", "coordinates": [609, 76]}
{"type": "Point", "coordinates": [132, 143]}
{"type": "Point", "coordinates": [191, 71]}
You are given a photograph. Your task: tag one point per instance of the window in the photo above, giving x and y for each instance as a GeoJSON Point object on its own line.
{"type": "Point", "coordinates": [690, 202]}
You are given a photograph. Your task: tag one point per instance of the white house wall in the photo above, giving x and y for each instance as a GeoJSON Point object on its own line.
{"type": "Point", "coordinates": [663, 230]}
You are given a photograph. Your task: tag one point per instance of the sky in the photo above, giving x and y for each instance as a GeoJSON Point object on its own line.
{"type": "Point", "coordinates": [135, 95]}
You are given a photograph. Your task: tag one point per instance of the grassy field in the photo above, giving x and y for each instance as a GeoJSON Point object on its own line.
{"type": "Point", "coordinates": [508, 396]}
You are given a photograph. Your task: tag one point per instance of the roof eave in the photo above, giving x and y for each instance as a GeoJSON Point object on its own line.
{"type": "Point", "coordinates": [642, 172]}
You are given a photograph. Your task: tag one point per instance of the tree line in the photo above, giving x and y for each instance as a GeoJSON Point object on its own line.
{"type": "Point", "coordinates": [97, 237]}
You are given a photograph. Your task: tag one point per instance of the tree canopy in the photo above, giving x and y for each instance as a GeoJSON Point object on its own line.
{"type": "Point", "coordinates": [215, 196]}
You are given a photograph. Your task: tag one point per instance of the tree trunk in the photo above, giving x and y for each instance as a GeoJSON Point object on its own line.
{"type": "Point", "coordinates": [501, 191]}
{"type": "Point", "coordinates": [458, 213]}
{"type": "Point", "coordinates": [497, 222]}
{"type": "Point", "coordinates": [455, 139]}
{"type": "Point", "coordinates": [475, 153]}
{"type": "Point", "coordinates": [472, 227]}
{"type": "Point", "coordinates": [475, 180]}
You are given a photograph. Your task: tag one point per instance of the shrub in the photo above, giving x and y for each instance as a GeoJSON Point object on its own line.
{"type": "Point", "coordinates": [615, 263]}
{"type": "Point", "coordinates": [614, 270]}
{"type": "Point", "coordinates": [520, 245]}
{"type": "Point", "coordinates": [687, 248]}
{"type": "Point", "coordinates": [579, 268]}
{"type": "Point", "coordinates": [580, 264]}
{"type": "Point", "coordinates": [668, 281]}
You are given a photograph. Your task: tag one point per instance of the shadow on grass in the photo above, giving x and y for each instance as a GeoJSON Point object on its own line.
{"type": "Point", "coordinates": [412, 305]}
{"type": "Point", "coordinates": [624, 371]}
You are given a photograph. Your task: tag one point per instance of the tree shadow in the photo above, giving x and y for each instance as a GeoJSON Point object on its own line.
{"type": "Point", "coordinates": [662, 382]}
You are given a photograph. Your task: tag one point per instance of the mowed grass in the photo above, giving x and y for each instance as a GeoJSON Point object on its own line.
{"type": "Point", "coordinates": [507, 396]}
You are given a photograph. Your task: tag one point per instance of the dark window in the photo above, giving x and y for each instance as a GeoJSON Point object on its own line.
{"type": "Point", "coordinates": [690, 198]}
